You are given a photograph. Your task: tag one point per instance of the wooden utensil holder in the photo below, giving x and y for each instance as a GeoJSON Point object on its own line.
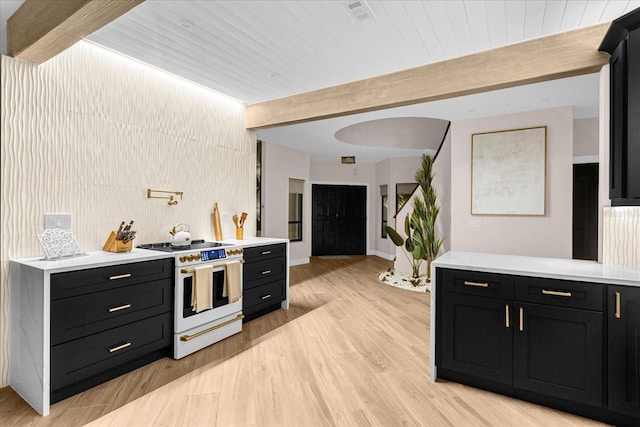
{"type": "Point", "coordinates": [113, 245]}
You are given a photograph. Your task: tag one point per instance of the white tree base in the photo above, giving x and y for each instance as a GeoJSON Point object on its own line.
{"type": "Point", "coordinates": [404, 281]}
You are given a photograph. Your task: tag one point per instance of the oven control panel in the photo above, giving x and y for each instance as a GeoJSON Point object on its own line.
{"type": "Point", "coordinates": [212, 254]}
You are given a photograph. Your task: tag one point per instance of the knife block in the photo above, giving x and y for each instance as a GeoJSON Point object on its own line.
{"type": "Point", "coordinates": [113, 245]}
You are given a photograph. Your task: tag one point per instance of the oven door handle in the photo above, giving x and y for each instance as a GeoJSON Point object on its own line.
{"type": "Point", "coordinates": [193, 270]}
{"type": "Point", "coordinates": [211, 329]}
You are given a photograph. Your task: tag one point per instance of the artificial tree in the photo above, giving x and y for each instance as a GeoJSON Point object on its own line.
{"type": "Point", "coordinates": [420, 224]}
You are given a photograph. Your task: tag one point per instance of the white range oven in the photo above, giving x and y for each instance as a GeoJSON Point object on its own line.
{"type": "Point", "coordinates": [195, 328]}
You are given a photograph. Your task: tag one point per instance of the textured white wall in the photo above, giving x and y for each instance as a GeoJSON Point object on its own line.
{"type": "Point", "coordinates": [548, 235]}
{"type": "Point", "coordinates": [89, 131]}
{"type": "Point", "coordinates": [621, 245]}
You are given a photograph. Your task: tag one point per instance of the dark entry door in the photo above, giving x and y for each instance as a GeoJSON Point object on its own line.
{"type": "Point", "coordinates": [585, 211]}
{"type": "Point", "coordinates": [339, 220]}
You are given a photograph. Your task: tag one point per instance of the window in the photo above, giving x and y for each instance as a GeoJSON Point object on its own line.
{"type": "Point", "coordinates": [383, 208]}
{"type": "Point", "coordinates": [403, 193]}
{"type": "Point", "coordinates": [296, 190]}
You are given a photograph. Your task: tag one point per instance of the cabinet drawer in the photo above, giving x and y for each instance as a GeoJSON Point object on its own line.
{"type": "Point", "coordinates": [83, 358]}
{"type": "Point", "coordinates": [264, 295]}
{"type": "Point", "coordinates": [264, 271]}
{"type": "Point", "coordinates": [562, 293]}
{"type": "Point", "coordinates": [81, 282]}
{"type": "Point", "coordinates": [263, 252]}
{"type": "Point", "coordinates": [478, 283]}
{"type": "Point", "coordinates": [84, 315]}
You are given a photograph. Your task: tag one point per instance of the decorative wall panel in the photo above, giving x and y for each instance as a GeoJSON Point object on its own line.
{"type": "Point", "coordinates": [621, 235]}
{"type": "Point", "coordinates": [89, 131]}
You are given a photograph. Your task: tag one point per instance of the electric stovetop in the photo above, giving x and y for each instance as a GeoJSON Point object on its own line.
{"type": "Point", "coordinates": [168, 247]}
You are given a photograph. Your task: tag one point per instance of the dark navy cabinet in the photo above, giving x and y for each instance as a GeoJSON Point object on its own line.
{"type": "Point", "coordinates": [622, 41]}
{"type": "Point", "coordinates": [571, 345]}
{"type": "Point", "coordinates": [624, 349]}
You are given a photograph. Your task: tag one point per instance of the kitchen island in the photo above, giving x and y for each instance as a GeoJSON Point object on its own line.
{"type": "Point", "coordinates": [562, 333]}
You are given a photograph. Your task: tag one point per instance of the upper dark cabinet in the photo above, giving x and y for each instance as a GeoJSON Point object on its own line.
{"type": "Point", "coordinates": [622, 41]}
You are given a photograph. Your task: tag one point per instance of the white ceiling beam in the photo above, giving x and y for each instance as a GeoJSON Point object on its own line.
{"type": "Point", "coordinates": [547, 58]}
{"type": "Point", "coordinates": [39, 30]}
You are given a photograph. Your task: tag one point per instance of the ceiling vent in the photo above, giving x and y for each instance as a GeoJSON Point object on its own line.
{"type": "Point", "coordinates": [348, 160]}
{"type": "Point", "coordinates": [359, 10]}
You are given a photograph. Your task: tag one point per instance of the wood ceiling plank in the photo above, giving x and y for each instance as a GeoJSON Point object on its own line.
{"type": "Point", "coordinates": [39, 30]}
{"type": "Point", "coordinates": [561, 55]}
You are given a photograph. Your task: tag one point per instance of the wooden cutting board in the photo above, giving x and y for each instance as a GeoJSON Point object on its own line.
{"type": "Point", "coordinates": [217, 227]}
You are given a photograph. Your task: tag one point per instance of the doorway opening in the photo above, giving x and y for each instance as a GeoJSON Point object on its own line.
{"type": "Point", "coordinates": [585, 211]}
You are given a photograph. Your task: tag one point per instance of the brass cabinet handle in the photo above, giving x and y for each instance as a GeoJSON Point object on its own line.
{"type": "Point", "coordinates": [521, 319]}
{"type": "Point", "coordinates": [266, 252]}
{"type": "Point", "coordinates": [477, 284]}
{"type": "Point", "coordinates": [121, 307]}
{"type": "Point", "coordinates": [120, 347]}
{"type": "Point", "coordinates": [506, 315]}
{"type": "Point", "coordinates": [266, 296]}
{"type": "Point", "coordinates": [211, 329]}
{"type": "Point", "coordinates": [617, 314]}
{"type": "Point", "coordinates": [121, 276]}
{"type": "Point", "coordinates": [266, 272]}
{"type": "Point", "coordinates": [556, 293]}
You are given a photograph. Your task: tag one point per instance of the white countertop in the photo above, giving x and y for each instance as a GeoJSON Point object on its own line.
{"type": "Point", "coordinates": [556, 268]}
{"type": "Point", "coordinates": [92, 259]}
{"type": "Point", "coordinates": [254, 241]}
{"type": "Point", "coordinates": [103, 258]}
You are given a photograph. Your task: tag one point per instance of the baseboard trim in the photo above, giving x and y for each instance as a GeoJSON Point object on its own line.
{"type": "Point", "coordinates": [298, 261]}
{"type": "Point", "coordinates": [388, 257]}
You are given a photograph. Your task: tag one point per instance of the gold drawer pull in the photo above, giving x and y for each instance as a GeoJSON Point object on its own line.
{"type": "Point", "coordinates": [120, 347]}
{"type": "Point", "coordinates": [477, 284]}
{"type": "Point", "coordinates": [121, 276]}
{"type": "Point", "coordinates": [122, 307]}
{"type": "Point", "coordinates": [506, 317]}
{"type": "Point", "coordinates": [211, 329]}
{"type": "Point", "coordinates": [266, 252]}
{"type": "Point", "coordinates": [556, 293]}
{"type": "Point", "coordinates": [618, 315]}
{"type": "Point", "coordinates": [266, 272]}
{"type": "Point", "coordinates": [521, 319]}
{"type": "Point", "coordinates": [266, 296]}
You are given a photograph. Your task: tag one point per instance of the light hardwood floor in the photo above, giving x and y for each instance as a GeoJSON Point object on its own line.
{"type": "Point", "coordinates": [351, 351]}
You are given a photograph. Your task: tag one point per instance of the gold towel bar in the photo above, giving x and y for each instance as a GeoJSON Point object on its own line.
{"type": "Point", "coordinates": [193, 270]}
{"type": "Point", "coordinates": [211, 329]}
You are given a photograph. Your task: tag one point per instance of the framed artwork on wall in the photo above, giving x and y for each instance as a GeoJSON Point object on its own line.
{"type": "Point", "coordinates": [508, 172]}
